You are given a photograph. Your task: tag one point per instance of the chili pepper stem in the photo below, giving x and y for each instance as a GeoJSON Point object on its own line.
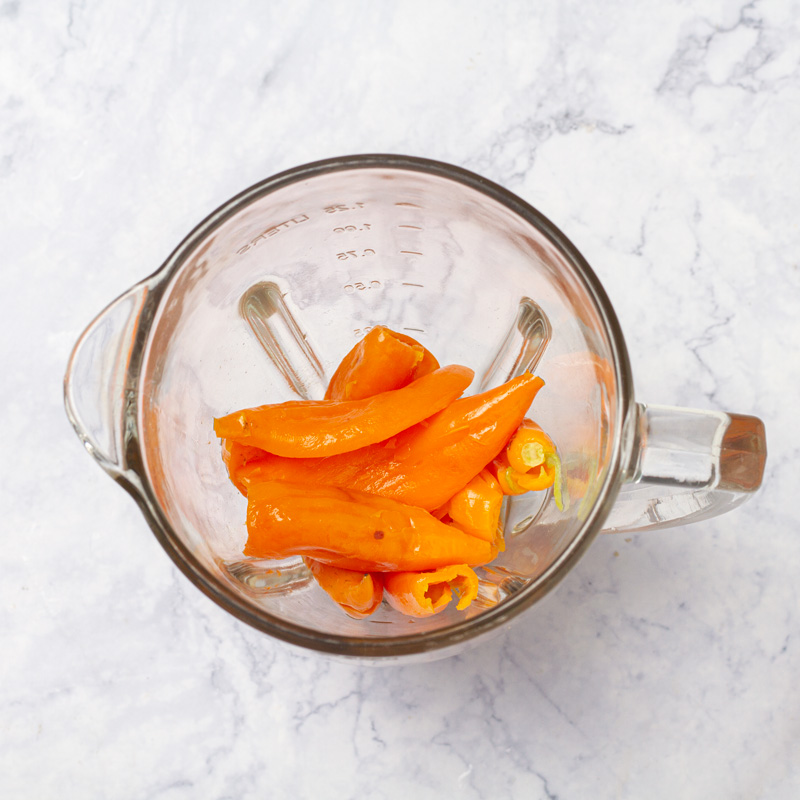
{"type": "Point", "coordinates": [560, 494]}
{"type": "Point", "coordinates": [510, 480]}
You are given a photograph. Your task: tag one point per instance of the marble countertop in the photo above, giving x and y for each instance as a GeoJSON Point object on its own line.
{"type": "Point", "coordinates": [661, 137]}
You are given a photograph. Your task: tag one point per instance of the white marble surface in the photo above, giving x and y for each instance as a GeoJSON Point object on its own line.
{"type": "Point", "coordinates": [662, 137]}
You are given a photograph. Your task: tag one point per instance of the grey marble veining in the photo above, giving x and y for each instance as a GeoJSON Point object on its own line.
{"type": "Point", "coordinates": [661, 138]}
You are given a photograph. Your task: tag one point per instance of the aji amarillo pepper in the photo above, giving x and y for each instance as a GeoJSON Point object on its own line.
{"type": "Point", "coordinates": [428, 362]}
{"type": "Point", "coordinates": [436, 458]}
{"type": "Point", "coordinates": [381, 361]}
{"type": "Point", "coordinates": [358, 593]}
{"type": "Point", "coordinates": [236, 457]}
{"type": "Point", "coordinates": [422, 594]}
{"type": "Point", "coordinates": [328, 427]}
{"type": "Point", "coordinates": [353, 530]}
{"type": "Point", "coordinates": [529, 463]}
{"type": "Point", "coordinates": [339, 470]}
{"type": "Point", "coordinates": [476, 507]}
{"type": "Point", "coordinates": [424, 465]}
{"type": "Point", "coordinates": [528, 452]}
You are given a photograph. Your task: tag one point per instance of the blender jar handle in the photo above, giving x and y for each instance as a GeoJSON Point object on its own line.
{"type": "Point", "coordinates": [96, 391]}
{"type": "Point", "coordinates": [688, 465]}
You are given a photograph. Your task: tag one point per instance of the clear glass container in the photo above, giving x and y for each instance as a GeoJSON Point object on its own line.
{"type": "Point", "coordinates": [261, 301]}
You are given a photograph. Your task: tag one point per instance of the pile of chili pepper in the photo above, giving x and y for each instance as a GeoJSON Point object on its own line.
{"type": "Point", "coordinates": [392, 486]}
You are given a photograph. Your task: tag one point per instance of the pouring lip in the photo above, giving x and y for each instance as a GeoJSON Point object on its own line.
{"type": "Point", "coordinates": [135, 480]}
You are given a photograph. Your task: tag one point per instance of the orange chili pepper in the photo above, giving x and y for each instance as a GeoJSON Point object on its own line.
{"type": "Point", "coordinates": [353, 530]}
{"type": "Point", "coordinates": [427, 364]}
{"type": "Point", "coordinates": [528, 450]}
{"type": "Point", "coordinates": [530, 462]}
{"type": "Point", "coordinates": [340, 470]}
{"type": "Point", "coordinates": [500, 468]}
{"type": "Point", "coordinates": [327, 427]}
{"type": "Point", "coordinates": [358, 593]}
{"type": "Point", "coordinates": [424, 465]}
{"type": "Point", "coordinates": [476, 507]}
{"type": "Point", "coordinates": [436, 458]}
{"type": "Point", "coordinates": [422, 594]}
{"type": "Point", "coordinates": [236, 457]}
{"type": "Point", "coordinates": [244, 461]}
{"type": "Point", "coordinates": [381, 361]}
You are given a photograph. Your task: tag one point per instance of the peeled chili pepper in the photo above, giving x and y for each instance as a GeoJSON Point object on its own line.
{"type": "Point", "coordinates": [528, 451]}
{"type": "Point", "coordinates": [358, 593]}
{"type": "Point", "coordinates": [476, 507]}
{"type": "Point", "coordinates": [428, 362]}
{"type": "Point", "coordinates": [340, 470]}
{"type": "Point", "coordinates": [336, 529]}
{"type": "Point", "coordinates": [236, 457]}
{"type": "Point", "coordinates": [422, 594]}
{"type": "Point", "coordinates": [499, 467]}
{"type": "Point", "coordinates": [328, 427]}
{"type": "Point", "coordinates": [530, 463]}
{"type": "Point", "coordinates": [436, 458]}
{"type": "Point", "coordinates": [381, 361]}
{"type": "Point", "coordinates": [353, 530]}
{"type": "Point", "coordinates": [424, 465]}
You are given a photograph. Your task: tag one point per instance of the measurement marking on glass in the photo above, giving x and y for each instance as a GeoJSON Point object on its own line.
{"type": "Point", "coordinates": [273, 230]}
{"type": "Point", "coordinates": [355, 254]}
{"type": "Point", "coordinates": [350, 228]}
{"type": "Point", "coordinates": [358, 286]}
{"type": "Point", "coordinates": [421, 285]}
{"type": "Point", "coordinates": [342, 207]}
{"type": "Point", "coordinates": [417, 330]}
{"type": "Point", "coordinates": [408, 205]}
{"type": "Point", "coordinates": [411, 252]}
{"type": "Point", "coordinates": [413, 227]}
